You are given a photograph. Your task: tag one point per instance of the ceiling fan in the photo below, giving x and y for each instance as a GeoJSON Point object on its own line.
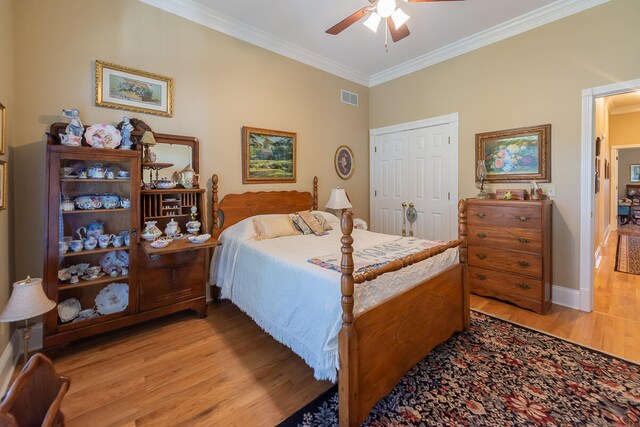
{"type": "Point", "coordinates": [378, 10]}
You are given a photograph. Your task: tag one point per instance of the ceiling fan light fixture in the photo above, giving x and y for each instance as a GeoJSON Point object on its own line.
{"type": "Point", "coordinates": [373, 21]}
{"type": "Point", "coordinates": [385, 8]}
{"type": "Point", "coordinates": [399, 18]}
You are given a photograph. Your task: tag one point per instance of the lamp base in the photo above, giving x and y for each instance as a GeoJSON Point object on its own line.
{"type": "Point", "coordinates": [26, 334]}
{"type": "Point", "coordinates": [483, 195]}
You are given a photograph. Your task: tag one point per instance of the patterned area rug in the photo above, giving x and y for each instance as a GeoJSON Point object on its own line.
{"type": "Point", "coordinates": [499, 373]}
{"type": "Point", "coordinates": [628, 255]}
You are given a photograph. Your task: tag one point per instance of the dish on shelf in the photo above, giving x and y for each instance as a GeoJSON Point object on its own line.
{"type": "Point", "coordinates": [162, 242]}
{"type": "Point", "coordinates": [88, 202]}
{"type": "Point", "coordinates": [102, 135]}
{"type": "Point", "coordinates": [68, 309]}
{"type": "Point", "coordinates": [118, 259]}
{"type": "Point", "coordinates": [65, 273]}
{"type": "Point", "coordinates": [112, 298]}
{"type": "Point", "coordinates": [122, 178]}
{"type": "Point", "coordinates": [109, 201]}
{"type": "Point", "coordinates": [87, 314]}
{"type": "Point", "coordinates": [164, 184]}
{"type": "Point", "coordinates": [87, 277]}
{"type": "Point", "coordinates": [169, 200]}
{"type": "Point", "coordinates": [70, 176]}
{"type": "Point", "coordinates": [200, 238]}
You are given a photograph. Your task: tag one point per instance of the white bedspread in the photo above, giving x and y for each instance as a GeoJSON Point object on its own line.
{"type": "Point", "coordinates": [297, 302]}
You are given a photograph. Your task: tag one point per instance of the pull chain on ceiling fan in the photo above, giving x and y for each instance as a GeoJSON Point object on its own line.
{"type": "Point", "coordinates": [381, 9]}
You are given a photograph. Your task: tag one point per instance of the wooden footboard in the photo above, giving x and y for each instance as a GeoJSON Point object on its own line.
{"type": "Point", "coordinates": [381, 344]}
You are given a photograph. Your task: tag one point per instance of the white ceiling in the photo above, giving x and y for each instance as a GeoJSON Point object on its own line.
{"type": "Point", "coordinates": [296, 28]}
{"type": "Point", "coordinates": [624, 103]}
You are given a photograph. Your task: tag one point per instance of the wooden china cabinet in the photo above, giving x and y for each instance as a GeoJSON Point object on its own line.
{"type": "Point", "coordinates": [159, 281]}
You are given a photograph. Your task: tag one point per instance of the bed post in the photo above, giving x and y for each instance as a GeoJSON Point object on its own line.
{"type": "Point", "coordinates": [315, 193]}
{"type": "Point", "coordinates": [463, 252]}
{"type": "Point", "coordinates": [347, 346]}
{"type": "Point", "coordinates": [214, 202]}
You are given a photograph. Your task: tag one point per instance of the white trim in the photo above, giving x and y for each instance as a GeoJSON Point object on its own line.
{"type": "Point", "coordinates": [607, 233]}
{"type": "Point", "coordinates": [625, 110]}
{"type": "Point", "coordinates": [586, 183]}
{"type": "Point", "coordinates": [207, 16]}
{"type": "Point", "coordinates": [566, 297]}
{"type": "Point", "coordinates": [536, 18]}
{"type": "Point", "coordinates": [452, 121]}
{"type": "Point", "coordinates": [8, 362]}
{"type": "Point", "coordinates": [597, 257]}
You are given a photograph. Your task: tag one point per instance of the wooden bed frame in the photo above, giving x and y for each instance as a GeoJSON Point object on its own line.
{"type": "Point", "coordinates": [378, 346]}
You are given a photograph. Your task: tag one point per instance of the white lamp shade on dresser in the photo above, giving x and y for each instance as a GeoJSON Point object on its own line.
{"type": "Point", "coordinates": [27, 300]}
{"type": "Point", "coordinates": [338, 199]}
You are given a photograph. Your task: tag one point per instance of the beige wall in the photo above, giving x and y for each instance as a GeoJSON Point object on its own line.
{"type": "Point", "coordinates": [221, 84]}
{"type": "Point", "coordinates": [626, 158]}
{"type": "Point", "coordinates": [6, 216]}
{"type": "Point", "coordinates": [602, 201]}
{"type": "Point", "coordinates": [625, 129]}
{"type": "Point", "coordinates": [530, 79]}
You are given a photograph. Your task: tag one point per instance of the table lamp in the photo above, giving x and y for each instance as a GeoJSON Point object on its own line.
{"type": "Point", "coordinates": [27, 300]}
{"type": "Point", "coordinates": [148, 141]}
{"type": "Point", "coordinates": [338, 200]}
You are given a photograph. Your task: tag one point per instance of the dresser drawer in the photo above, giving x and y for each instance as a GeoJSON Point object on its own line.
{"type": "Point", "coordinates": [519, 239]}
{"type": "Point", "coordinates": [506, 283]}
{"type": "Point", "coordinates": [517, 262]}
{"type": "Point", "coordinates": [505, 216]}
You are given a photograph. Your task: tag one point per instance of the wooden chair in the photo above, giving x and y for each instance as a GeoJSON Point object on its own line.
{"type": "Point", "coordinates": [35, 396]}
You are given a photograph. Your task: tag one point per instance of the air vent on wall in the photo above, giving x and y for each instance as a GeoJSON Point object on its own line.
{"type": "Point", "coordinates": [349, 97]}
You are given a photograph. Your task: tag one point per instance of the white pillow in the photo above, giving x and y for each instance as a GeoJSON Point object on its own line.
{"type": "Point", "coordinates": [272, 226]}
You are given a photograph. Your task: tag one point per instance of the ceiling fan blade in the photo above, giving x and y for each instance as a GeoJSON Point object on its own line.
{"type": "Point", "coordinates": [398, 34]}
{"type": "Point", "coordinates": [345, 23]}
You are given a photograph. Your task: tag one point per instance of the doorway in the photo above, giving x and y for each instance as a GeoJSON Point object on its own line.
{"type": "Point", "coordinates": [415, 165]}
{"type": "Point", "coordinates": [588, 183]}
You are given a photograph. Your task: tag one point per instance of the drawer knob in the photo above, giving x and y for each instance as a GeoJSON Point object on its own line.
{"type": "Point", "coordinates": [481, 256]}
{"type": "Point", "coordinates": [523, 240]}
{"type": "Point", "coordinates": [481, 215]}
{"type": "Point", "coordinates": [481, 235]}
{"type": "Point", "coordinates": [522, 286]}
{"type": "Point", "coordinates": [481, 276]}
{"type": "Point", "coordinates": [523, 264]}
{"type": "Point", "coordinates": [155, 257]}
{"type": "Point", "coordinates": [523, 218]}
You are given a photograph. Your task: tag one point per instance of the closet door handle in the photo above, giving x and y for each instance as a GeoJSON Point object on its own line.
{"type": "Point", "coordinates": [481, 256]}
{"type": "Point", "coordinates": [523, 264]}
{"type": "Point", "coordinates": [522, 286]}
{"type": "Point", "coordinates": [523, 240]}
{"type": "Point", "coordinates": [481, 276]}
{"type": "Point", "coordinates": [523, 218]}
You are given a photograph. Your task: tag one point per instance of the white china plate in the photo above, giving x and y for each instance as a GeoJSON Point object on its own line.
{"type": "Point", "coordinates": [102, 135]}
{"type": "Point", "coordinates": [70, 176]}
{"type": "Point", "coordinates": [87, 277]}
{"type": "Point", "coordinates": [86, 314]}
{"type": "Point", "coordinates": [199, 239]}
{"type": "Point", "coordinates": [122, 177]}
{"type": "Point", "coordinates": [161, 243]}
{"type": "Point", "coordinates": [113, 298]}
{"type": "Point", "coordinates": [68, 309]}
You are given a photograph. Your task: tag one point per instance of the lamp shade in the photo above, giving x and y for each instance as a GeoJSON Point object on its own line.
{"type": "Point", "coordinates": [148, 138]}
{"type": "Point", "coordinates": [27, 300]}
{"type": "Point", "coordinates": [338, 199]}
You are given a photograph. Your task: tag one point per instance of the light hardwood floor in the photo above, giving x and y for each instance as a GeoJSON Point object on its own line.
{"type": "Point", "coordinates": [223, 370]}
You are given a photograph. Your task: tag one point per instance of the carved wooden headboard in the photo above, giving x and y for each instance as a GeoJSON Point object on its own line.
{"type": "Point", "coordinates": [235, 207]}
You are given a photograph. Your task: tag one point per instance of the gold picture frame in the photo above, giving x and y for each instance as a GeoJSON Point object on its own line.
{"type": "Point", "coordinates": [126, 88]}
{"type": "Point", "coordinates": [344, 162]}
{"type": "Point", "coordinates": [3, 185]}
{"type": "Point", "coordinates": [3, 130]}
{"type": "Point", "coordinates": [268, 156]}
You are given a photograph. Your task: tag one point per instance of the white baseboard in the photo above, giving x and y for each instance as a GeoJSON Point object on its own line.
{"type": "Point", "coordinates": [607, 233]}
{"type": "Point", "coordinates": [566, 297]}
{"type": "Point", "coordinates": [13, 352]}
{"type": "Point", "coordinates": [597, 257]}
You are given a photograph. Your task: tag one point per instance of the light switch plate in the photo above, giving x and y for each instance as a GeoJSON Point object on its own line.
{"type": "Point", "coordinates": [548, 189]}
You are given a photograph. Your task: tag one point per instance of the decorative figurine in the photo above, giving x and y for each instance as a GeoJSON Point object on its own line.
{"type": "Point", "coordinates": [75, 125]}
{"type": "Point", "coordinates": [127, 127]}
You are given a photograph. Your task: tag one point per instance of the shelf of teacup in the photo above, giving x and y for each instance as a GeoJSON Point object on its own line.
{"type": "Point", "coordinates": [70, 253]}
{"type": "Point", "coordinates": [100, 281]}
{"type": "Point", "coordinates": [94, 211]}
{"type": "Point", "coordinates": [63, 327]}
{"type": "Point", "coordinates": [93, 180]}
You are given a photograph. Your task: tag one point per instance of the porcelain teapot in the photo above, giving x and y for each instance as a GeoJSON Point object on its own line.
{"type": "Point", "coordinates": [94, 229]}
{"type": "Point", "coordinates": [172, 228]}
{"type": "Point", "coordinates": [97, 171]}
{"type": "Point", "coordinates": [187, 177]}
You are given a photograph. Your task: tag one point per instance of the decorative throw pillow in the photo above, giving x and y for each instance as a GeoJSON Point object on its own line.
{"type": "Point", "coordinates": [323, 222]}
{"type": "Point", "coordinates": [312, 222]}
{"type": "Point", "coordinates": [269, 227]}
{"type": "Point", "coordinates": [300, 224]}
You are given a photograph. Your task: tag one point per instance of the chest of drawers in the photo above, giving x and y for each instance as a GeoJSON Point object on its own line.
{"type": "Point", "coordinates": [510, 251]}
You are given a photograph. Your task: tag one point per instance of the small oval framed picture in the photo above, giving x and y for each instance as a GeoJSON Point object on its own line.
{"type": "Point", "coordinates": [344, 162]}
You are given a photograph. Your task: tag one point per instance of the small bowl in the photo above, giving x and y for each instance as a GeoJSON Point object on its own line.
{"type": "Point", "coordinates": [199, 239]}
{"type": "Point", "coordinates": [162, 242]}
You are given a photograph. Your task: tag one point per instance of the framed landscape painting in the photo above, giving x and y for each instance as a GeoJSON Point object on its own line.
{"type": "Point", "coordinates": [268, 156]}
{"type": "Point", "coordinates": [135, 90]}
{"type": "Point", "coordinates": [635, 173]}
{"type": "Point", "coordinates": [512, 155]}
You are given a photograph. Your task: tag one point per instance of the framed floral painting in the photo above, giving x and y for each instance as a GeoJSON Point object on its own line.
{"type": "Point", "coordinates": [268, 156]}
{"type": "Point", "coordinates": [512, 155]}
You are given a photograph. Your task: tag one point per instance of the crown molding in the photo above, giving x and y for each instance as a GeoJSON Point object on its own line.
{"type": "Point", "coordinates": [625, 110]}
{"type": "Point", "coordinates": [208, 17]}
{"type": "Point", "coordinates": [536, 18]}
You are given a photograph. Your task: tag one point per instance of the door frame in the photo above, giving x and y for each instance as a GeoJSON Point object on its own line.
{"type": "Point", "coordinates": [448, 119]}
{"type": "Point", "coordinates": [587, 196]}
